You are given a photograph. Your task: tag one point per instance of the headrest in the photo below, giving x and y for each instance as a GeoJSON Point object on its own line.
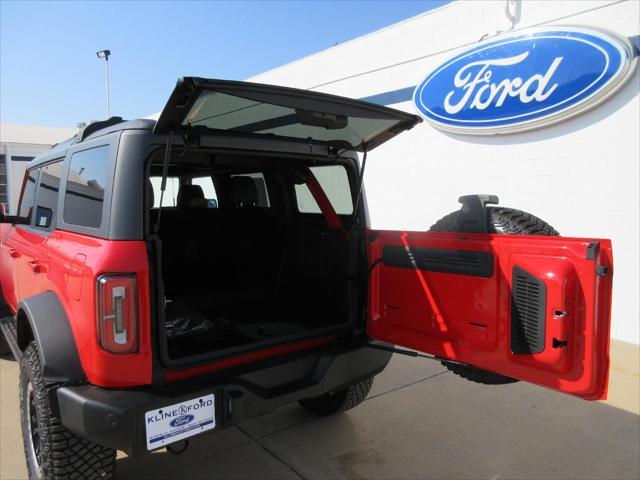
{"type": "Point", "coordinates": [243, 192]}
{"type": "Point", "coordinates": [191, 196]}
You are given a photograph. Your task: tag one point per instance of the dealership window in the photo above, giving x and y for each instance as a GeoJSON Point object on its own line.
{"type": "Point", "coordinates": [47, 196]}
{"type": "Point", "coordinates": [3, 180]}
{"type": "Point", "coordinates": [335, 182]}
{"type": "Point", "coordinates": [28, 191]}
{"type": "Point", "coordinates": [84, 195]}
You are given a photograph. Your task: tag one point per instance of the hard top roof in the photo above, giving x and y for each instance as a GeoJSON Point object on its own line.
{"type": "Point", "coordinates": [62, 147]}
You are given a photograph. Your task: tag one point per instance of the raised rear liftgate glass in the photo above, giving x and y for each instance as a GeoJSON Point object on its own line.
{"type": "Point", "coordinates": [244, 108]}
{"type": "Point", "coordinates": [220, 111]}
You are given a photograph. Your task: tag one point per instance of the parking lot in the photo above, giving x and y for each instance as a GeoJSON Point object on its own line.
{"type": "Point", "coordinates": [419, 421]}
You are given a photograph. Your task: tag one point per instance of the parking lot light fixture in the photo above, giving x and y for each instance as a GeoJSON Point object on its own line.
{"type": "Point", "coordinates": [105, 54]}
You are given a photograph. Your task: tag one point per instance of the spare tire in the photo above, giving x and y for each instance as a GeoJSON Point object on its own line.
{"type": "Point", "coordinates": [506, 221]}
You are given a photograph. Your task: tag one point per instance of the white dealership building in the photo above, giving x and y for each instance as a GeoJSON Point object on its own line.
{"type": "Point", "coordinates": [580, 174]}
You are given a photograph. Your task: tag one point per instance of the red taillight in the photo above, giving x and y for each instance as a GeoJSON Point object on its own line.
{"type": "Point", "coordinates": [118, 313]}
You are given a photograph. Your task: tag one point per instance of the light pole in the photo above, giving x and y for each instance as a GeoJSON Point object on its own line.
{"type": "Point", "coordinates": [105, 54]}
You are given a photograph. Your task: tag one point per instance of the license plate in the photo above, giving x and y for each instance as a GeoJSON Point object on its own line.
{"type": "Point", "coordinates": [179, 421]}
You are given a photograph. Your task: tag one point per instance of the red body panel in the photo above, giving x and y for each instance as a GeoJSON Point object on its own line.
{"type": "Point", "coordinates": [31, 262]}
{"type": "Point", "coordinates": [74, 263]}
{"type": "Point", "coordinates": [9, 256]}
{"type": "Point", "coordinates": [68, 266]}
{"type": "Point", "coordinates": [467, 318]}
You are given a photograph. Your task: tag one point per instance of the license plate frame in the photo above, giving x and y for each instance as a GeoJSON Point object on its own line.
{"type": "Point", "coordinates": [179, 421]}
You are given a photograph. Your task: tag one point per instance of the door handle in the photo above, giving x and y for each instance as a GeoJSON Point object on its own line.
{"type": "Point", "coordinates": [13, 253]}
{"type": "Point", "coordinates": [36, 266]}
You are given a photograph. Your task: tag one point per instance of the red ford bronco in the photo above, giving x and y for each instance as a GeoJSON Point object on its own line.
{"type": "Point", "coordinates": [166, 279]}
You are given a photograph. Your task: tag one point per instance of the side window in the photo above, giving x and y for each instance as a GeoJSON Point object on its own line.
{"type": "Point", "coordinates": [261, 188]}
{"type": "Point", "coordinates": [84, 195]}
{"type": "Point", "coordinates": [170, 198]}
{"type": "Point", "coordinates": [206, 183]}
{"type": "Point", "coordinates": [335, 182]}
{"type": "Point", "coordinates": [47, 197]}
{"type": "Point", "coordinates": [28, 192]}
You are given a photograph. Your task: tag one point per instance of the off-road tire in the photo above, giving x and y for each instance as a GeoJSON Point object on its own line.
{"type": "Point", "coordinates": [507, 221]}
{"type": "Point", "coordinates": [4, 345]}
{"type": "Point", "coordinates": [63, 454]}
{"type": "Point", "coordinates": [339, 401]}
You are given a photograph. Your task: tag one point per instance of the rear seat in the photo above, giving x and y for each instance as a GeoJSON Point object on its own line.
{"type": "Point", "coordinates": [251, 236]}
{"type": "Point", "coordinates": [191, 235]}
{"type": "Point", "coordinates": [230, 253]}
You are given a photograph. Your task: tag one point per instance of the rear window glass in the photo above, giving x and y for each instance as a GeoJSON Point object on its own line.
{"type": "Point", "coordinates": [221, 111]}
{"type": "Point", "coordinates": [84, 195]}
{"type": "Point", "coordinates": [47, 197]}
{"type": "Point", "coordinates": [335, 182]}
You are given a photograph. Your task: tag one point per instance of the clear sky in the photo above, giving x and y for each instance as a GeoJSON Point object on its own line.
{"type": "Point", "coordinates": [50, 75]}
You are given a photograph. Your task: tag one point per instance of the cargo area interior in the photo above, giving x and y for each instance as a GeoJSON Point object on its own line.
{"type": "Point", "coordinates": [248, 259]}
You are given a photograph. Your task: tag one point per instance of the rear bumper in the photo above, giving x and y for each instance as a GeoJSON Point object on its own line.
{"type": "Point", "coordinates": [115, 418]}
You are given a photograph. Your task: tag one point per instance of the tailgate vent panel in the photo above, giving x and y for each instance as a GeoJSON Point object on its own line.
{"type": "Point", "coordinates": [528, 306]}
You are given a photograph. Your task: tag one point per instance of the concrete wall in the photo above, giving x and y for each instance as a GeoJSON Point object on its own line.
{"type": "Point", "coordinates": [582, 175]}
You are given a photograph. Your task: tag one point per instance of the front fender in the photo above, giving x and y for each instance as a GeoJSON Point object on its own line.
{"type": "Point", "coordinates": [52, 332]}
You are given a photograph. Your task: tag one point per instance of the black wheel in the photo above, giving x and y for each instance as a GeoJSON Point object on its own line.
{"type": "Point", "coordinates": [507, 221]}
{"type": "Point", "coordinates": [51, 450]}
{"type": "Point", "coordinates": [339, 401]}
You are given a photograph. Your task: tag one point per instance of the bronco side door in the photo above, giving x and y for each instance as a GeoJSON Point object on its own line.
{"type": "Point", "coordinates": [529, 307]}
{"type": "Point", "coordinates": [13, 242]}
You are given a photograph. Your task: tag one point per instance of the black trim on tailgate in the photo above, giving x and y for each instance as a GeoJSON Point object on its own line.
{"type": "Point", "coordinates": [459, 262]}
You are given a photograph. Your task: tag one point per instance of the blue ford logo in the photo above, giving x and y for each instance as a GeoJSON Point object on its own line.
{"type": "Point", "coordinates": [524, 80]}
{"type": "Point", "coordinates": [182, 420]}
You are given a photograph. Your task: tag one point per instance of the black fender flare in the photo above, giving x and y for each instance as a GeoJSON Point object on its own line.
{"type": "Point", "coordinates": [52, 333]}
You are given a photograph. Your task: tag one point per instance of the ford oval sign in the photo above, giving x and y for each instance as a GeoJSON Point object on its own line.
{"type": "Point", "coordinates": [525, 80]}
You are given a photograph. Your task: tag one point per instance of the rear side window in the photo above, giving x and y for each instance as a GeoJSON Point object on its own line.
{"type": "Point", "coordinates": [209, 190]}
{"type": "Point", "coordinates": [170, 197]}
{"type": "Point", "coordinates": [47, 198]}
{"type": "Point", "coordinates": [84, 195]}
{"type": "Point", "coordinates": [335, 182]}
{"type": "Point", "coordinates": [28, 191]}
